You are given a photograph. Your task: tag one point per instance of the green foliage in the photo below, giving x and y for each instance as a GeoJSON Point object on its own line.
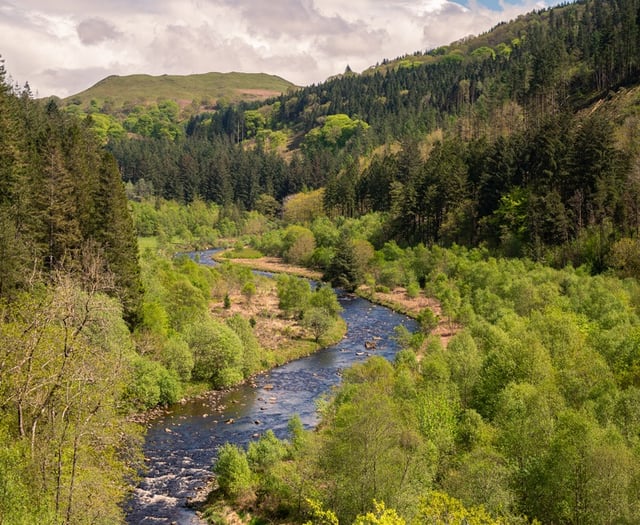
{"type": "Point", "coordinates": [232, 472]}
{"type": "Point", "coordinates": [249, 290]}
{"type": "Point", "coordinates": [381, 516]}
{"type": "Point", "coordinates": [298, 244]}
{"type": "Point", "coordinates": [345, 271]}
{"type": "Point", "coordinates": [428, 320]}
{"type": "Point", "coordinates": [242, 253]}
{"type": "Point", "coordinates": [529, 411]}
{"type": "Point", "coordinates": [218, 353]}
{"type": "Point", "coordinates": [324, 298]}
{"type": "Point", "coordinates": [251, 351]}
{"type": "Point", "coordinates": [367, 446]}
{"type": "Point", "coordinates": [440, 509]}
{"type": "Point", "coordinates": [63, 204]}
{"type": "Point", "coordinates": [294, 294]}
{"type": "Point", "coordinates": [335, 131]}
{"type": "Point", "coordinates": [303, 208]}
{"type": "Point", "coordinates": [265, 453]}
{"type": "Point", "coordinates": [151, 385]}
{"type": "Point", "coordinates": [318, 321]}
{"type": "Point", "coordinates": [65, 355]}
{"type": "Point", "coordinates": [407, 339]}
{"type": "Point", "coordinates": [21, 502]}
{"type": "Point", "coordinates": [177, 357]}
{"type": "Point", "coordinates": [319, 516]}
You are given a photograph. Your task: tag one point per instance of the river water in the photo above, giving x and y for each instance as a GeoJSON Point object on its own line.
{"type": "Point", "coordinates": [181, 445]}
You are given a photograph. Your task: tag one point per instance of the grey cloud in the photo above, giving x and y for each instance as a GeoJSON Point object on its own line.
{"type": "Point", "coordinates": [184, 49]}
{"type": "Point", "coordinates": [301, 40]}
{"type": "Point", "coordinates": [355, 41]}
{"type": "Point", "coordinates": [296, 18]}
{"type": "Point", "coordinates": [68, 81]}
{"type": "Point", "coordinates": [92, 31]}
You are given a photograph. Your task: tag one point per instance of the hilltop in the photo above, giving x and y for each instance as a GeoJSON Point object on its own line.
{"type": "Point", "coordinates": [204, 89]}
{"type": "Point", "coordinates": [157, 106]}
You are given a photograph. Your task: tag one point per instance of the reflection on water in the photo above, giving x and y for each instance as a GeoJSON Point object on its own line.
{"type": "Point", "coordinates": [180, 446]}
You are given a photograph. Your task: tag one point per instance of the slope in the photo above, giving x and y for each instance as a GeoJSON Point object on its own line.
{"type": "Point", "coordinates": [120, 92]}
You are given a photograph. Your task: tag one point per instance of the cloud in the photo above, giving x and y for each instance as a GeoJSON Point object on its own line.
{"type": "Point", "coordinates": [61, 51]}
{"type": "Point", "coordinates": [95, 30]}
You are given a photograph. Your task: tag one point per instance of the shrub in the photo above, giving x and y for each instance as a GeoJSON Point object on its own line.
{"type": "Point", "coordinates": [218, 353]}
{"type": "Point", "coordinates": [428, 320]}
{"type": "Point", "coordinates": [151, 385]}
{"type": "Point", "coordinates": [413, 290]}
{"type": "Point", "coordinates": [233, 472]}
{"type": "Point", "coordinates": [177, 357]}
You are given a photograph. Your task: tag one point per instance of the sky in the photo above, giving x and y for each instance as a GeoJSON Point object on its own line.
{"type": "Point", "coordinates": [62, 47]}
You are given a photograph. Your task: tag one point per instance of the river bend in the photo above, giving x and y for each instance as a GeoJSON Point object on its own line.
{"type": "Point", "coordinates": [180, 446]}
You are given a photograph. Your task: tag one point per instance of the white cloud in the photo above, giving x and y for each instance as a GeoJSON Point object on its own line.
{"type": "Point", "coordinates": [65, 46]}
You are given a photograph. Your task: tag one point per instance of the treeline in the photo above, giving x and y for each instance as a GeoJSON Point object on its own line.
{"type": "Point", "coordinates": [529, 413]}
{"type": "Point", "coordinates": [554, 60]}
{"type": "Point", "coordinates": [216, 171]}
{"type": "Point", "coordinates": [69, 278]}
{"type": "Point", "coordinates": [563, 191]}
{"type": "Point", "coordinates": [62, 202]}
{"type": "Point", "coordinates": [558, 59]}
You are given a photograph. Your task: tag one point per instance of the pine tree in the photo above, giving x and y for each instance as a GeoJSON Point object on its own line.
{"type": "Point", "coordinates": [116, 234]}
{"type": "Point", "coordinates": [344, 271]}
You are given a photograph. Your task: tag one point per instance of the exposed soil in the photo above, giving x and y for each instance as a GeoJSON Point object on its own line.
{"type": "Point", "coordinates": [273, 330]}
{"type": "Point", "coordinates": [275, 265]}
{"type": "Point", "coordinates": [259, 93]}
{"type": "Point", "coordinates": [398, 299]}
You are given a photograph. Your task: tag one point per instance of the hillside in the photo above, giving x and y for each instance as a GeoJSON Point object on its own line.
{"type": "Point", "coordinates": [158, 106]}
{"type": "Point", "coordinates": [202, 89]}
{"type": "Point", "coordinates": [518, 139]}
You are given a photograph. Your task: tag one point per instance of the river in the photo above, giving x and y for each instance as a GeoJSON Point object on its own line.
{"type": "Point", "coordinates": [180, 446]}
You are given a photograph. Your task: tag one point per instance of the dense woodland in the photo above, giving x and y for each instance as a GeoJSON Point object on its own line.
{"type": "Point", "coordinates": [69, 278]}
{"type": "Point", "coordinates": [426, 173]}
{"type": "Point", "coordinates": [531, 412]}
{"type": "Point", "coordinates": [521, 139]}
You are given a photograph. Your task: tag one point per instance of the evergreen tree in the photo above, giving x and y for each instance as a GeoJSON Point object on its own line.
{"type": "Point", "coordinates": [344, 271]}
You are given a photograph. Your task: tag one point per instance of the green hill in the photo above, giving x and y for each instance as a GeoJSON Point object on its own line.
{"type": "Point", "coordinates": [121, 93]}
{"type": "Point", "coordinates": [158, 106]}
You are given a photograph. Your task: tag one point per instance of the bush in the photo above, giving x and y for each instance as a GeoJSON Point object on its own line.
{"type": "Point", "coordinates": [325, 298]}
{"type": "Point", "coordinates": [177, 357]}
{"type": "Point", "coordinates": [218, 353]}
{"type": "Point", "coordinates": [151, 385]}
{"type": "Point", "coordinates": [318, 321]}
{"type": "Point", "coordinates": [413, 290]}
{"type": "Point", "coordinates": [249, 290]}
{"type": "Point", "coordinates": [233, 472]}
{"type": "Point", "coordinates": [298, 244]}
{"type": "Point", "coordinates": [428, 320]}
{"type": "Point", "coordinates": [293, 294]}
{"type": "Point", "coordinates": [266, 452]}
{"type": "Point", "coordinates": [251, 347]}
